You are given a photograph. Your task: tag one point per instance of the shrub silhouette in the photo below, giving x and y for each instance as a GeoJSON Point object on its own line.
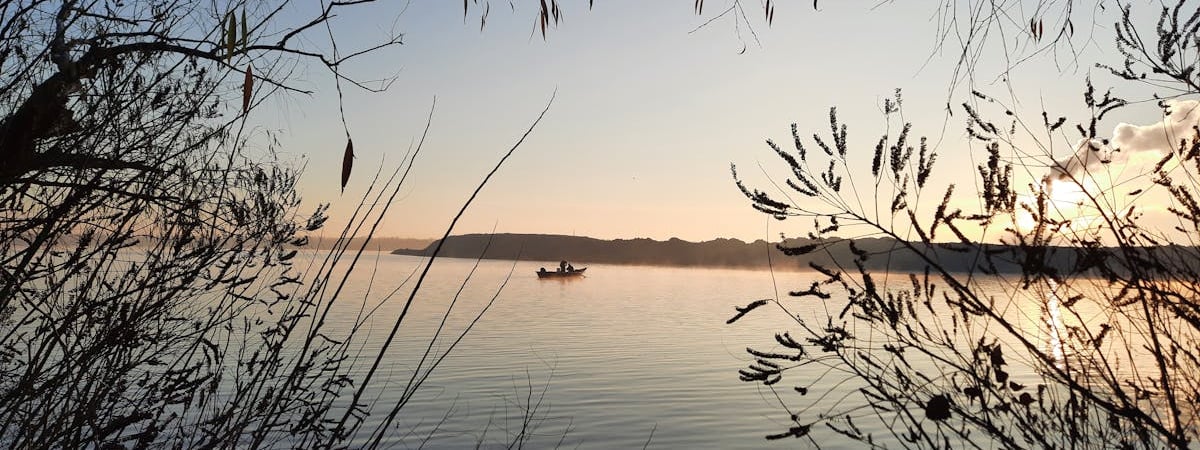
{"type": "Point", "coordinates": [1092, 345]}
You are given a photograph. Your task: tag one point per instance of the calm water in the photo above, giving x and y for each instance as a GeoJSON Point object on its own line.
{"type": "Point", "coordinates": [636, 355]}
{"type": "Point", "coordinates": [627, 355]}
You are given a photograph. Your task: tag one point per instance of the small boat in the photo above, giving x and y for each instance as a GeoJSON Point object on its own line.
{"type": "Point", "coordinates": [563, 274]}
{"type": "Point", "coordinates": [565, 270]}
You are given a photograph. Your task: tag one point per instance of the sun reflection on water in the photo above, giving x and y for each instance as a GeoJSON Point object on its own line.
{"type": "Point", "coordinates": [1054, 323]}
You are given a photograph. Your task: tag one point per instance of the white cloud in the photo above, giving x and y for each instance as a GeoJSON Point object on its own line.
{"type": "Point", "coordinates": [1136, 142]}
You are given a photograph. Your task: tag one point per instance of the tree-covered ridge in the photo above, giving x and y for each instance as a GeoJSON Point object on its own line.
{"type": "Point", "coordinates": [885, 253]}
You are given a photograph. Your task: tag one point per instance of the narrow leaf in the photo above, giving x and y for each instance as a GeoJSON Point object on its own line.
{"type": "Point", "coordinates": [247, 88]}
{"type": "Point", "coordinates": [231, 37]}
{"type": "Point", "coordinates": [544, 18]}
{"type": "Point", "coordinates": [347, 162]}
{"type": "Point", "coordinates": [223, 31]}
{"type": "Point", "coordinates": [487, 7]}
{"type": "Point", "coordinates": [245, 31]}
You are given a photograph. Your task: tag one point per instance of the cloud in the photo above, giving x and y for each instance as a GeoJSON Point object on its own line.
{"type": "Point", "coordinates": [1181, 117]}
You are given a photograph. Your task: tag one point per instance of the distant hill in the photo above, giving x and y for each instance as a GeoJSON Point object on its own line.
{"type": "Point", "coordinates": [377, 243]}
{"type": "Point", "coordinates": [543, 247]}
{"type": "Point", "coordinates": [883, 253]}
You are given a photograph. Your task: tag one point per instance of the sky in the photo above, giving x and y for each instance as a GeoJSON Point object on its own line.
{"type": "Point", "coordinates": [648, 110]}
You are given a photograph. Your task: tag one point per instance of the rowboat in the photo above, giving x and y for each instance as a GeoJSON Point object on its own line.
{"type": "Point", "coordinates": [563, 274]}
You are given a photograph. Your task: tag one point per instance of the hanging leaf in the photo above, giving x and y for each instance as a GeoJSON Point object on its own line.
{"type": "Point", "coordinates": [245, 31]}
{"type": "Point", "coordinates": [347, 162]}
{"type": "Point", "coordinates": [231, 38]}
{"type": "Point", "coordinates": [487, 7]}
{"type": "Point", "coordinates": [247, 89]}
{"type": "Point", "coordinates": [223, 31]}
{"type": "Point", "coordinates": [544, 18]}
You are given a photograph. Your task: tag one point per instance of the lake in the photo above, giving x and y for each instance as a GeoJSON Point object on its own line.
{"type": "Point", "coordinates": [624, 357]}
{"type": "Point", "coordinates": [627, 355]}
{"type": "Point", "coordinates": [633, 356]}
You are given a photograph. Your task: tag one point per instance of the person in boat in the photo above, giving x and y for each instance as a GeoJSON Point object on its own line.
{"type": "Point", "coordinates": [543, 270]}
{"type": "Point", "coordinates": [570, 268]}
{"type": "Point", "coordinates": [562, 266]}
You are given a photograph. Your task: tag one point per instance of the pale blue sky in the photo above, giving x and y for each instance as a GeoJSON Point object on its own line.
{"type": "Point", "coordinates": [647, 117]}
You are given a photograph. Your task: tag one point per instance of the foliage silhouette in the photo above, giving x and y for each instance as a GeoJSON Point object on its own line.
{"type": "Point", "coordinates": [153, 288]}
{"type": "Point", "coordinates": [1098, 353]}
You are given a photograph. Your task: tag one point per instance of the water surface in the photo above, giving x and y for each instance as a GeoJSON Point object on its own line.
{"type": "Point", "coordinates": [627, 355]}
